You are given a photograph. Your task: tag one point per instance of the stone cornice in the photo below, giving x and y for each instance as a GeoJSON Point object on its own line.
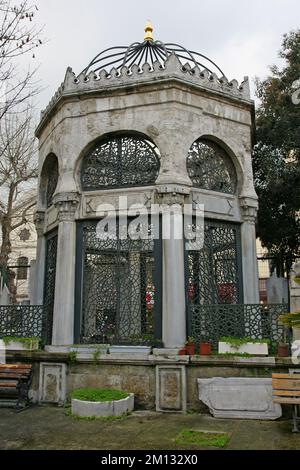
{"type": "Point", "coordinates": [136, 76]}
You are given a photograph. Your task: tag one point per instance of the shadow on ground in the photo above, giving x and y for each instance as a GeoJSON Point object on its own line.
{"type": "Point", "coordinates": [42, 428]}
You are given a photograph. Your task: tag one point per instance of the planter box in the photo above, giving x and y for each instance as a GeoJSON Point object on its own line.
{"type": "Point", "coordinates": [89, 409]}
{"type": "Point", "coordinates": [20, 345]}
{"type": "Point", "coordinates": [256, 349]}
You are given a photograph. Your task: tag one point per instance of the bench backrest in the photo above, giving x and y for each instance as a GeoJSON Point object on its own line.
{"type": "Point", "coordinates": [286, 388]}
{"type": "Point", "coordinates": [15, 371]}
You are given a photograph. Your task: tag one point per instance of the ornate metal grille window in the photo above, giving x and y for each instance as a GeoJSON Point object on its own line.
{"type": "Point", "coordinates": [209, 167]}
{"type": "Point", "coordinates": [52, 180]}
{"type": "Point", "coordinates": [120, 298]}
{"type": "Point", "coordinates": [214, 272]}
{"type": "Point", "coordinates": [121, 161]}
{"type": "Point", "coordinates": [49, 286]}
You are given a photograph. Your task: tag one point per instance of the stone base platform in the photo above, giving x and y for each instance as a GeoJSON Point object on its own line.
{"type": "Point", "coordinates": [162, 381]}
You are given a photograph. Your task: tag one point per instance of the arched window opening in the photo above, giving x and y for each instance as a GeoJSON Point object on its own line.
{"type": "Point", "coordinates": [49, 179]}
{"type": "Point", "coordinates": [120, 161]}
{"type": "Point", "coordinates": [209, 167]}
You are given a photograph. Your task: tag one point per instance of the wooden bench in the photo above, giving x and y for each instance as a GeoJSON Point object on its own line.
{"type": "Point", "coordinates": [15, 381]}
{"type": "Point", "coordinates": [286, 391]}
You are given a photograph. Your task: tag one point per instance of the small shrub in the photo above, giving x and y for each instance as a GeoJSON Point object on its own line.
{"type": "Point", "coordinates": [72, 358]}
{"type": "Point", "coordinates": [238, 342]}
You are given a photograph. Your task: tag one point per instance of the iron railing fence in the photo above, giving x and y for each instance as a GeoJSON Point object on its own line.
{"type": "Point", "coordinates": [212, 322]}
{"type": "Point", "coordinates": [26, 321]}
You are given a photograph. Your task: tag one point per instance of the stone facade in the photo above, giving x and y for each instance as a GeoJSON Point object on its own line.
{"type": "Point", "coordinates": [173, 106]}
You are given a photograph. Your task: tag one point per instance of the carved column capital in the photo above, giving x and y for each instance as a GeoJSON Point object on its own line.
{"type": "Point", "coordinates": [172, 194]}
{"type": "Point", "coordinates": [39, 222]}
{"type": "Point", "coordinates": [249, 208]}
{"type": "Point", "coordinates": [66, 204]}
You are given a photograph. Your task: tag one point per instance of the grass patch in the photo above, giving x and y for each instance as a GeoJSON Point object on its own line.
{"type": "Point", "coordinates": [202, 439]}
{"type": "Point", "coordinates": [94, 394]}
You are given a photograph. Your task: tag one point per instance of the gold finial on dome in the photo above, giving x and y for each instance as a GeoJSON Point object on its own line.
{"type": "Point", "coordinates": [148, 30]}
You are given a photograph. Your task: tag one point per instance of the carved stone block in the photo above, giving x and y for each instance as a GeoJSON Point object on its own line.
{"type": "Point", "coordinates": [237, 397]}
{"type": "Point", "coordinates": [52, 386]}
{"type": "Point", "coordinates": [171, 388]}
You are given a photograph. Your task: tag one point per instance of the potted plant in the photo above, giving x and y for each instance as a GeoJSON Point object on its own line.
{"type": "Point", "coordinates": [255, 347]}
{"type": "Point", "coordinates": [183, 352]}
{"type": "Point", "coordinates": [205, 348]}
{"type": "Point", "coordinates": [190, 346]}
{"type": "Point", "coordinates": [91, 403]}
{"type": "Point", "coordinates": [11, 343]}
{"type": "Point", "coordinates": [283, 349]}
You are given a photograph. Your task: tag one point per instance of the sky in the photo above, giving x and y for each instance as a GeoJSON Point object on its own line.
{"type": "Point", "coordinates": [242, 37]}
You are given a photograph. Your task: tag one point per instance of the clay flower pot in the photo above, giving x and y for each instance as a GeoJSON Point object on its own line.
{"type": "Point", "coordinates": [205, 349]}
{"type": "Point", "coordinates": [183, 352]}
{"type": "Point", "coordinates": [190, 349]}
{"type": "Point", "coordinates": [283, 350]}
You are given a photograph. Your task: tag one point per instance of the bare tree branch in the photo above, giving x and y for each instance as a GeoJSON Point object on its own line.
{"type": "Point", "coordinates": [18, 173]}
{"type": "Point", "coordinates": [19, 35]}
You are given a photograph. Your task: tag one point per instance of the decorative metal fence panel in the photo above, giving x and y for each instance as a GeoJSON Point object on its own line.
{"type": "Point", "coordinates": [119, 289]}
{"type": "Point", "coordinates": [25, 321]}
{"type": "Point", "coordinates": [212, 322]}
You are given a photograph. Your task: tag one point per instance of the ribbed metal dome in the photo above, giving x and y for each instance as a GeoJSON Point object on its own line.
{"type": "Point", "coordinates": [148, 51]}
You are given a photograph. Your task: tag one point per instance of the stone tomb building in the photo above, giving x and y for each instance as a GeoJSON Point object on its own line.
{"type": "Point", "coordinates": [159, 125]}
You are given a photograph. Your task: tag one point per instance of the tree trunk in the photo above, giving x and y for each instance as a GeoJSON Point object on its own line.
{"type": "Point", "coordinates": [5, 249]}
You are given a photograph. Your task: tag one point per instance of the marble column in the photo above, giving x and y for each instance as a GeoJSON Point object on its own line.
{"type": "Point", "coordinates": [174, 308]}
{"type": "Point", "coordinates": [38, 294]}
{"type": "Point", "coordinates": [63, 315]}
{"type": "Point", "coordinates": [249, 255]}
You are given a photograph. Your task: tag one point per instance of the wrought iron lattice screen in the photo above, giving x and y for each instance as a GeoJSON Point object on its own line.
{"type": "Point", "coordinates": [209, 167]}
{"type": "Point", "coordinates": [212, 322]}
{"type": "Point", "coordinates": [49, 286]}
{"type": "Point", "coordinates": [24, 321]}
{"type": "Point", "coordinates": [52, 180]}
{"type": "Point", "coordinates": [119, 289]}
{"type": "Point", "coordinates": [120, 161]}
{"type": "Point", "coordinates": [215, 272]}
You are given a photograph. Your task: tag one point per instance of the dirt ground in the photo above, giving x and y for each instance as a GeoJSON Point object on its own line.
{"type": "Point", "coordinates": [51, 428]}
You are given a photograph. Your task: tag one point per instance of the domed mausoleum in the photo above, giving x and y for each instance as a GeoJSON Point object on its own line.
{"type": "Point", "coordinates": [152, 128]}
